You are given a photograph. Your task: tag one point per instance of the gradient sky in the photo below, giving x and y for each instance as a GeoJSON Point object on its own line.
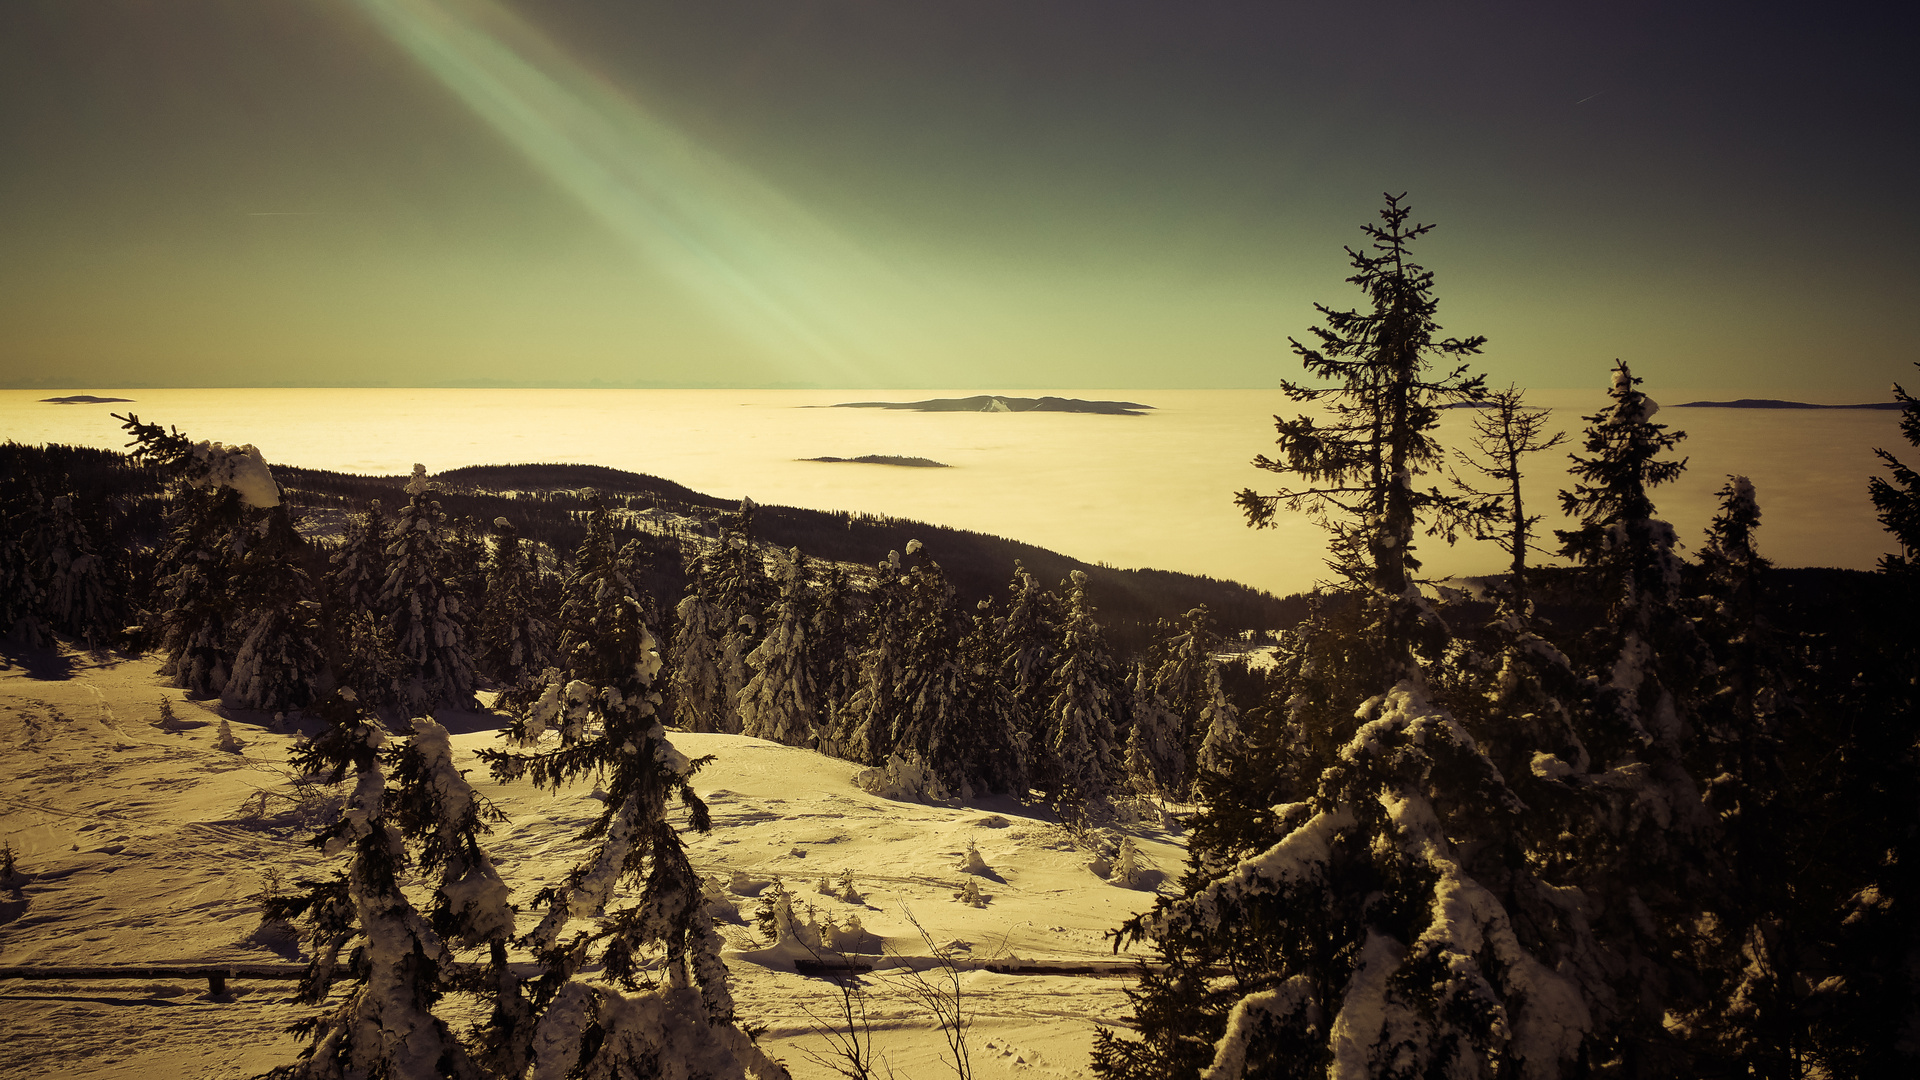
{"type": "Point", "coordinates": [943, 193]}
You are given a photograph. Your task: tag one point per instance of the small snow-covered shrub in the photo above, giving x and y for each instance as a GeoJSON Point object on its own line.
{"type": "Point", "coordinates": [972, 862]}
{"type": "Point", "coordinates": [846, 892]}
{"type": "Point", "coordinates": [745, 884]}
{"type": "Point", "coordinates": [901, 779]}
{"type": "Point", "coordinates": [846, 936]}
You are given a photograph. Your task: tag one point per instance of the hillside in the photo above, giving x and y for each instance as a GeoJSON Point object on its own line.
{"type": "Point", "coordinates": [143, 844]}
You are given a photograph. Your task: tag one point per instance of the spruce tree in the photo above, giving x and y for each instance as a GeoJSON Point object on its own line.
{"type": "Point", "coordinates": [1355, 939]}
{"type": "Point", "coordinates": [1358, 469]}
{"type": "Point", "coordinates": [697, 688]}
{"type": "Point", "coordinates": [1646, 854]}
{"type": "Point", "coordinates": [1029, 634]}
{"type": "Point", "coordinates": [988, 743]}
{"type": "Point", "coordinates": [280, 658]}
{"type": "Point", "coordinates": [21, 572]}
{"type": "Point", "coordinates": [603, 709]}
{"type": "Point", "coordinates": [1224, 744]}
{"type": "Point", "coordinates": [464, 561]}
{"type": "Point", "coordinates": [951, 717]}
{"type": "Point", "coordinates": [1897, 496]}
{"type": "Point", "coordinates": [1156, 754]}
{"type": "Point", "coordinates": [387, 1026]}
{"type": "Point", "coordinates": [832, 651]}
{"type": "Point", "coordinates": [359, 566]}
{"type": "Point", "coordinates": [427, 622]}
{"type": "Point", "coordinates": [1080, 743]}
{"type": "Point", "coordinates": [780, 701]}
{"type": "Point", "coordinates": [515, 644]}
{"type": "Point", "coordinates": [1866, 734]}
{"type": "Point", "coordinates": [1179, 657]}
{"type": "Point", "coordinates": [867, 726]}
{"type": "Point", "coordinates": [76, 595]}
{"type": "Point", "coordinates": [214, 486]}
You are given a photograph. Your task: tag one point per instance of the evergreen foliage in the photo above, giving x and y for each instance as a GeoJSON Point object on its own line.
{"type": "Point", "coordinates": [1179, 658]}
{"type": "Point", "coordinates": [422, 613]}
{"type": "Point", "coordinates": [206, 538]}
{"type": "Point", "coordinates": [1897, 496]}
{"type": "Point", "coordinates": [359, 566]}
{"type": "Point", "coordinates": [832, 650]}
{"type": "Point", "coordinates": [386, 1026]}
{"type": "Point", "coordinates": [1339, 893]}
{"type": "Point", "coordinates": [1357, 471]}
{"type": "Point", "coordinates": [1081, 742]}
{"type": "Point", "coordinates": [280, 658]}
{"type": "Point", "coordinates": [1029, 634]}
{"type": "Point", "coordinates": [1156, 755]}
{"type": "Point", "coordinates": [699, 697]}
{"type": "Point", "coordinates": [76, 593]}
{"type": "Point", "coordinates": [1224, 743]}
{"type": "Point", "coordinates": [515, 644]}
{"type": "Point", "coordinates": [1503, 433]}
{"type": "Point", "coordinates": [780, 701]}
{"type": "Point", "coordinates": [21, 574]}
{"type": "Point", "coordinates": [1649, 855]}
{"type": "Point", "coordinates": [879, 696]}
{"type": "Point", "coordinates": [603, 710]}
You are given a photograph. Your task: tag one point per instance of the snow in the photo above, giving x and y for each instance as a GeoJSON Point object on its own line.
{"type": "Point", "coordinates": [241, 468]}
{"type": "Point", "coordinates": [144, 845]}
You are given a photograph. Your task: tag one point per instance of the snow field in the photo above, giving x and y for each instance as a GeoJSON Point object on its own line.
{"type": "Point", "coordinates": [145, 845]}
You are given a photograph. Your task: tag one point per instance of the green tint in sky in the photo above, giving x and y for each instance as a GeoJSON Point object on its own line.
{"type": "Point", "coordinates": [946, 193]}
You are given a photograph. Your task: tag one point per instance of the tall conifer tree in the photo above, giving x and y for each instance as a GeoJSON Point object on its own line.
{"type": "Point", "coordinates": [515, 642]}
{"type": "Point", "coordinates": [1357, 941]}
{"type": "Point", "coordinates": [426, 619]}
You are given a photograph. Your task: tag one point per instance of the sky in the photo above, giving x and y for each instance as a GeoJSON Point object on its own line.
{"type": "Point", "coordinates": [991, 194]}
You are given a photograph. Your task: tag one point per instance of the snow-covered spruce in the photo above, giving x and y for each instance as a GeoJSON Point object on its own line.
{"type": "Point", "coordinates": [602, 708]}
{"type": "Point", "coordinates": [1028, 635]}
{"type": "Point", "coordinates": [1224, 743]}
{"type": "Point", "coordinates": [1651, 855]}
{"type": "Point", "coordinates": [515, 643]}
{"type": "Point", "coordinates": [21, 571]}
{"type": "Point", "coordinates": [780, 702]}
{"type": "Point", "coordinates": [280, 658]}
{"type": "Point", "coordinates": [387, 1026]}
{"type": "Point", "coordinates": [866, 725]}
{"type": "Point", "coordinates": [928, 694]}
{"type": "Point", "coordinates": [1178, 659]}
{"type": "Point", "coordinates": [1393, 960]}
{"type": "Point", "coordinates": [718, 627]}
{"type": "Point", "coordinates": [359, 566]}
{"type": "Point", "coordinates": [220, 494]}
{"type": "Point", "coordinates": [424, 616]}
{"type": "Point", "coordinates": [716, 631]}
{"type": "Point", "coordinates": [1080, 731]}
{"type": "Point", "coordinates": [75, 594]}
{"type": "Point", "coordinates": [1156, 757]}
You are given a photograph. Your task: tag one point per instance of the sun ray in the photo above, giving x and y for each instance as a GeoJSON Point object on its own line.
{"type": "Point", "coordinates": [811, 301]}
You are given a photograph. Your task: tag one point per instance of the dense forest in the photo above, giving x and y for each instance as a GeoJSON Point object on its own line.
{"type": "Point", "coordinates": [1628, 816]}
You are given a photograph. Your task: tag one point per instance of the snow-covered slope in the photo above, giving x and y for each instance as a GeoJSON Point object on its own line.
{"type": "Point", "coordinates": [143, 844]}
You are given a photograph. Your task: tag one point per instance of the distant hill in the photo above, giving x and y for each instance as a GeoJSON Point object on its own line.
{"type": "Point", "coordinates": [1775, 403]}
{"type": "Point", "coordinates": [81, 399]}
{"type": "Point", "coordinates": [1002, 403]}
{"type": "Point", "coordinates": [885, 459]}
